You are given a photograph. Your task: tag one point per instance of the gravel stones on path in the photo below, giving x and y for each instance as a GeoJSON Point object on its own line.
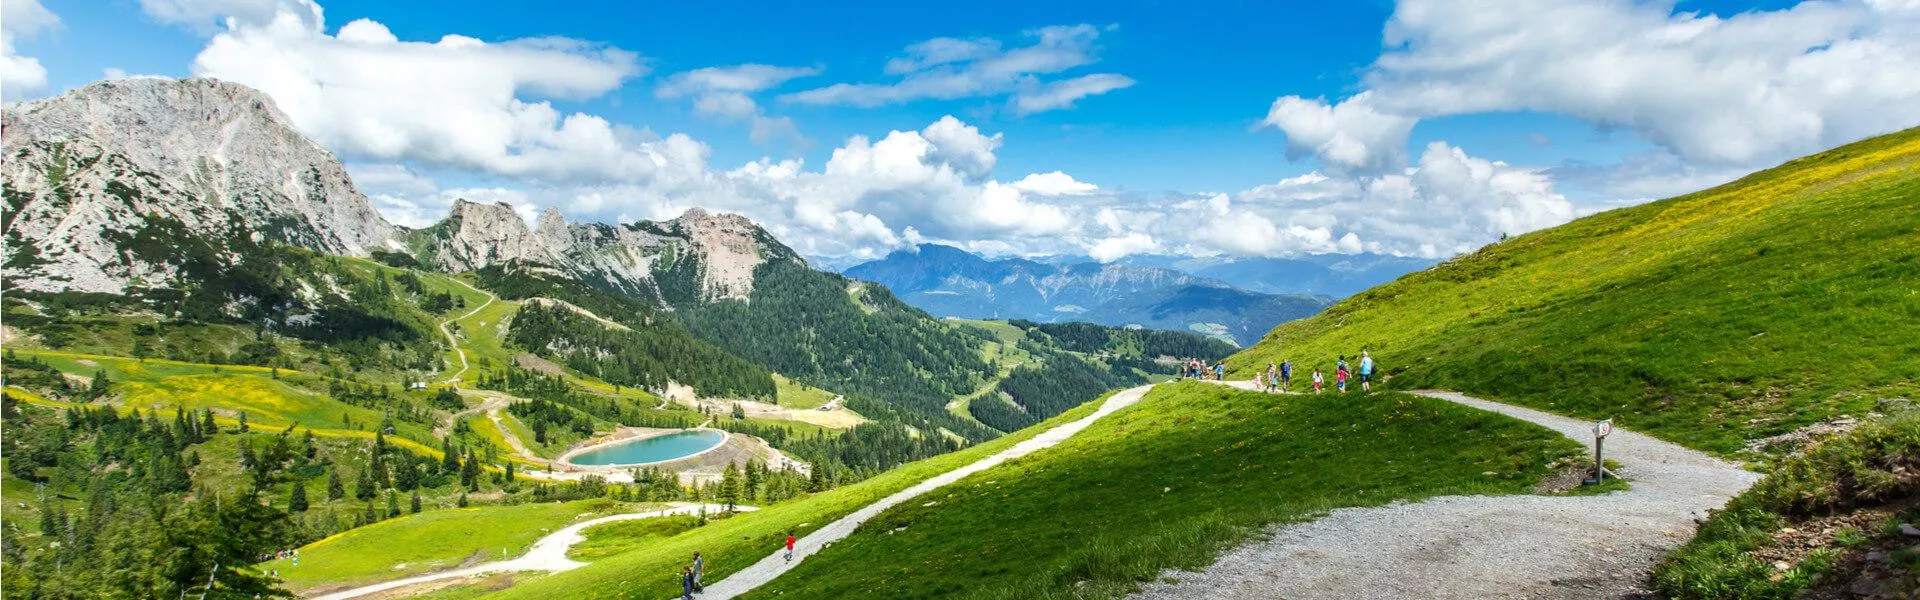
{"type": "Point", "coordinates": [1485, 546]}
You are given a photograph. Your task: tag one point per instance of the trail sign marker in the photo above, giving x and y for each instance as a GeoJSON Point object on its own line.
{"type": "Point", "coordinates": [1600, 432]}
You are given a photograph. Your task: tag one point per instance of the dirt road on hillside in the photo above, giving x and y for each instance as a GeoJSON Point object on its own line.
{"type": "Point", "coordinates": [775, 564]}
{"type": "Point", "coordinates": [1486, 546]}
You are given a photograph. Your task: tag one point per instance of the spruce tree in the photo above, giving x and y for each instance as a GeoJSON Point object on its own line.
{"type": "Point", "coordinates": [415, 506]}
{"type": "Point", "coordinates": [335, 490]}
{"type": "Point", "coordinates": [98, 388]}
{"type": "Point", "coordinates": [463, 500]}
{"type": "Point", "coordinates": [297, 498]}
{"type": "Point", "coordinates": [393, 504]}
{"type": "Point", "coordinates": [730, 486]}
{"type": "Point", "coordinates": [243, 421]}
{"type": "Point", "coordinates": [363, 488]}
{"type": "Point", "coordinates": [449, 457]}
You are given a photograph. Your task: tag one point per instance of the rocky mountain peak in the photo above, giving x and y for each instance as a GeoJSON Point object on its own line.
{"type": "Point", "coordinates": [217, 158]}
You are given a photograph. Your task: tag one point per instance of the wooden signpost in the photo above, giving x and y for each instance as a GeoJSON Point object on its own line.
{"type": "Point", "coordinates": [1600, 431]}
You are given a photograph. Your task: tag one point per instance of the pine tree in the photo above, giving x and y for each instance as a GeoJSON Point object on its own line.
{"type": "Point", "coordinates": [463, 500]}
{"type": "Point", "coordinates": [243, 421]}
{"type": "Point", "coordinates": [393, 504]}
{"type": "Point", "coordinates": [449, 457]}
{"type": "Point", "coordinates": [470, 472]}
{"type": "Point", "coordinates": [363, 488]}
{"type": "Point", "coordinates": [730, 486]}
{"type": "Point", "coordinates": [98, 388]}
{"type": "Point", "coordinates": [335, 490]}
{"type": "Point", "coordinates": [307, 446]}
{"type": "Point", "coordinates": [207, 426]}
{"type": "Point", "coordinates": [297, 498]}
{"type": "Point", "coordinates": [415, 505]}
{"type": "Point", "coordinates": [756, 475]}
{"type": "Point", "coordinates": [817, 479]}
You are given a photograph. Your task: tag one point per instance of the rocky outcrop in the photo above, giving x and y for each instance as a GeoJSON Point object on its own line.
{"type": "Point", "coordinates": [100, 181]}
{"type": "Point", "coordinates": [85, 170]}
{"type": "Point", "coordinates": [716, 253]}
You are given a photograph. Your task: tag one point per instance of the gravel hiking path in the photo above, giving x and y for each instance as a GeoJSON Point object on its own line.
{"type": "Point", "coordinates": [489, 401]}
{"type": "Point", "coordinates": [1519, 546]}
{"type": "Point", "coordinates": [774, 564]}
{"type": "Point", "coordinates": [451, 341]}
{"type": "Point", "coordinates": [547, 554]}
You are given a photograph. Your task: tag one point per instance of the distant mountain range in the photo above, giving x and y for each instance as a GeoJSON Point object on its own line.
{"type": "Point", "coordinates": [948, 281]}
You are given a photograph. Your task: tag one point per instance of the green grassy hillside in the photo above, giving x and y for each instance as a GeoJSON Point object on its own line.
{"type": "Point", "coordinates": [1743, 311]}
{"type": "Point", "coordinates": [434, 540]}
{"type": "Point", "coordinates": [1171, 482]}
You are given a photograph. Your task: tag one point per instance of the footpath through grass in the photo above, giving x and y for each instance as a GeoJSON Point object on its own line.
{"type": "Point", "coordinates": [1171, 482]}
{"type": "Point", "coordinates": [433, 540]}
{"type": "Point", "coordinates": [652, 570]}
{"type": "Point", "coordinates": [1744, 311]}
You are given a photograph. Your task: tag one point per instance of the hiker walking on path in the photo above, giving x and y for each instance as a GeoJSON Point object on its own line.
{"type": "Point", "coordinates": [1340, 377]}
{"type": "Point", "coordinates": [686, 583]}
{"type": "Point", "coordinates": [1286, 374]}
{"type": "Point", "coordinates": [790, 541]}
{"type": "Point", "coordinates": [1273, 377]}
{"type": "Point", "coordinates": [1366, 371]}
{"type": "Point", "coordinates": [1220, 371]}
{"type": "Point", "coordinates": [699, 567]}
{"type": "Point", "coordinates": [1318, 381]}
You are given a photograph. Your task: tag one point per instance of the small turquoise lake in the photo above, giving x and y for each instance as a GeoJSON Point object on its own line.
{"type": "Point", "coordinates": [653, 449]}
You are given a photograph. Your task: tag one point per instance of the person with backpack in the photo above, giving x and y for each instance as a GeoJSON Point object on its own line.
{"type": "Point", "coordinates": [1366, 371]}
{"type": "Point", "coordinates": [1220, 371]}
{"type": "Point", "coordinates": [1286, 374]}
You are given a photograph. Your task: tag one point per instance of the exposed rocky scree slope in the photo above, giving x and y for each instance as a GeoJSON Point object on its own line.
{"type": "Point", "coordinates": [85, 169]}
{"type": "Point", "coordinates": [719, 252]}
{"type": "Point", "coordinates": [89, 171]}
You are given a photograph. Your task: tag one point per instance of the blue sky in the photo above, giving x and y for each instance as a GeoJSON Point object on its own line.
{"type": "Point", "coordinates": [1195, 120]}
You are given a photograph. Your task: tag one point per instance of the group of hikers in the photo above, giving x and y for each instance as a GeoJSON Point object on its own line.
{"type": "Point", "coordinates": [1199, 369]}
{"type": "Point", "coordinates": [1278, 377]}
{"type": "Point", "coordinates": [690, 574]}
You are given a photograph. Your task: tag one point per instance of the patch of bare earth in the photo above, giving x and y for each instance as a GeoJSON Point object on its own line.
{"type": "Point", "coordinates": [1866, 571]}
{"type": "Point", "coordinates": [534, 363]}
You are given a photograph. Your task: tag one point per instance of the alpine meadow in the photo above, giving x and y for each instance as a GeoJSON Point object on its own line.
{"type": "Point", "coordinates": [330, 300]}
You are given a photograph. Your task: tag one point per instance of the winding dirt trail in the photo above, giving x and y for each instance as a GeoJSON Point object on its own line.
{"type": "Point", "coordinates": [455, 343]}
{"type": "Point", "coordinates": [547, 554]}
{"type": "Point", "coordinates": [1486, 546]}
{"type": "Point", "coordinates": [775, 564]}
{"type": "Point", "coordinates": [506, 433]}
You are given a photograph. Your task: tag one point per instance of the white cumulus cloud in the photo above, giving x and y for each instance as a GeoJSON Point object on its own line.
{"type": "Point", "coordinates": [456, 102]}
{"type": "Point", "coordinates": [1743, 90]}
{"type": "Point", "coordinates": [21, 75]}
